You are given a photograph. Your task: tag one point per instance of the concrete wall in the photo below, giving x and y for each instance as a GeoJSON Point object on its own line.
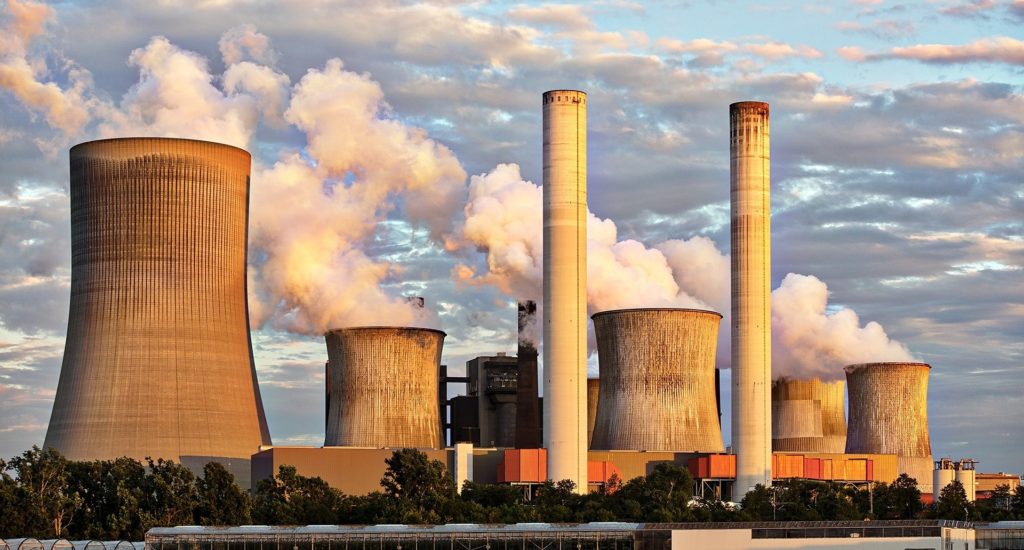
{"type": "Point", "coordinates": [158, 360]}
{"type": "Point", "coordinates": [657, 385]}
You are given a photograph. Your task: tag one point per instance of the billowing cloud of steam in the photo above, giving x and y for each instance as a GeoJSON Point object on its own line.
{"type": "Point", "coordinates": [315, 274]}
{"type": "Point", "coordinates": [808, 341]}
{"type": "Point", "coordinates": [503, 221]}
{"type": "Point", "coordinates": [314, 210]}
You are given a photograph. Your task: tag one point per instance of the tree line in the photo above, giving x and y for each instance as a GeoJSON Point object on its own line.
{"type": "Point", "coordinates": [45, 495]}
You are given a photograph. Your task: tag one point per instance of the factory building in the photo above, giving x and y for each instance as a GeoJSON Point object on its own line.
{"type": "Point", "coordinates": [657, 385]}
{"type": "Point", "coordinates": [889, 415]}
{"type": "Point", "coordinates": [947, 470]}
{"type": "Point", "coordinates": [808, 415]}
{"type": "Point", "coordinates": [750, 203]}
{"type": "Point", "coordinates": [528, 416]}
{"type": "Point", "coordinates": [158, 359]}
{"type": "Point", "coordinates": [384, 387]}
{"type": "Point", "coordinates": [565, 284]}
{"type": "Point", "coordinates": [494, 385]}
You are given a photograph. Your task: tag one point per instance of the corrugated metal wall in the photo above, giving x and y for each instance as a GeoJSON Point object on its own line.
{"type": "Point", "coordinates": [657, 385]}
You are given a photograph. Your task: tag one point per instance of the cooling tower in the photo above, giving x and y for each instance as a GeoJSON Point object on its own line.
{"type": "Point", "coordinates": [750, 182]}
{"type": "Point", "coordinates": [565, 285]}
{"type": "Point", "coordinates": [808, 416]}
{"type": "Point", "coordinates": [889, 415]}
{"type": "Point", "coordinates": [527, 397]}
{"type": "Point", "coordinates": [593, 388]}
{"type": "Point", "coordinates": [158, 360]}
{"type": "Point", "coordinates": [384, 387]}
{"type": "Point", "coordinates": [657, 385]}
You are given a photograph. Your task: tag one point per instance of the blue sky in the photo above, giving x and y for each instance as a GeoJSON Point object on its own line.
{"type": "Point", "coordinates": [897, 169]}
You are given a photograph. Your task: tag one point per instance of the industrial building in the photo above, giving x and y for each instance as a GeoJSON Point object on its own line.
{"type": "Point", "coordinates": [158, 359]}
{"type": "Point", "coordinates": [916, 534]}
{"type": "Point", "coordinates": [657, 385]}
{"type": "Point", "coordinates": [384, 384]}
{"type": "Point", "coordinates": [889, 415]}
{"type": "Point", "coordinates": [809, 415]}
{"type": "Point", "coordinates": [750, 215]}
{"type": "Point", "coordinates": [565, 284]}
{"type": "Point", "coordinates": [947, 470]}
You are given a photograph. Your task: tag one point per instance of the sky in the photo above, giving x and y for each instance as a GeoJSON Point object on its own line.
{"type": "Point", "coordinates": [397, 149]}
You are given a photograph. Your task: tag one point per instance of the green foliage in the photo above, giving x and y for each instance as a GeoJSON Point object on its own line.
{"type": "Point", "coordinates": [112, 493]}
{"type": "Point", "coordinates": [47, 507]}
{"type": "Point", "coordinates": [221, 500]}
{"type": "Point", "coordinates": [900, 500]}
{"type": "Point", "coordinates": [293, 499]}
{"type": "Point", "coordinates": [953, 504]}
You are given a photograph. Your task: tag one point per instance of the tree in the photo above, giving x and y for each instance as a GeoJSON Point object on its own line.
{"type": "Point", "coordinates": [1017, 505]}
{"type": "Point", "coordinates": [221, 500]}
{"type": "Point", "coordinates": [900, 500]}
{"type": "Point", "coordinates": [293, 499]}
{"type": "Point", "coordinates": [43, 481]}
{"type": "Point", "coordinates": [112, 494]}
{"type": "Point", "coordinates": [953, 503]}
{"type": "Point", "coordinates": [169, 494]}
{"type": "Point", "coordinates": [758, 503]}
{"type": "Point", "coordinates": [422, 489]}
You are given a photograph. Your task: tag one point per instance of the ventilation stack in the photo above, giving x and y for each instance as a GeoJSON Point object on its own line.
{"type": "Point", "coordinates": [528, 434]}
{"type": "Point", "coordinates": [657, 388]}
{"type": "Point", "coordinates": [808, 416]}
{"type": "Point", "coordinates": [158, 360]}
{"type": "Point", "coordinates": [889, 415]}
{"type": "Point", "coordinates": [384, 387]}
{"type": "Point", "coordinates": [565, 285]}
{"type": "Point", "coordinates": [750, 182]}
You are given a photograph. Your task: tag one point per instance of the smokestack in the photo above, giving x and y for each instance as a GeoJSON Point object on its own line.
{"type": "Point", "coordinates": [565, 285]}
{"type": "Point", "coordinates": [889, 415]}
{"type": "Point", "coordinates": [158, 360]}
{"type": "Point", "coordinates": [750, 182]}
{"type": "Point", "coordinates": [384, 387]}
{"type": "Point", "coordinates": [808, 416]}
{"type": "Point", "coordinates": [527, 397]}
{"type": "Point", "coordinates": [657, 380]}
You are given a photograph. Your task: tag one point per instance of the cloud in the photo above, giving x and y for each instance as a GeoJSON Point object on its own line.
{"type": "Point", "coordinates": [886, 29]}
{"type": "Point", "coordinates": [974, 8]}
{"type": "Point", "coordinates": [1000, 49]}
{"type": "Point", "coordinates": [561, 16]}
{"type": "Point", "coordinates": [709, 52]}
{"type": "Point", "coordinates": [245, 43]}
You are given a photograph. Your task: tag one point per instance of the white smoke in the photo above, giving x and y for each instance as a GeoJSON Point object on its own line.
{"type": "Point", "coordinates": [808, 341]}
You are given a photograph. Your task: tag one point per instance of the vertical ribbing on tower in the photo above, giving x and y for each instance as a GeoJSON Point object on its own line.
{"type": "Point", "coordinates": [565, 285]}
{"type": "Point", "coordinates": [750, 184]}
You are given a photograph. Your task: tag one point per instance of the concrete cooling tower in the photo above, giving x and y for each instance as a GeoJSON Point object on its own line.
{"type": "Point", "coordinates": [158, 360]}
{"type": "Point", "coordinates": [384, 387]}
{"type": "Point", "coordinates": [593, 388]}
{"type": "Point", "coordinates": [808, 416]}
{"type": "Point", "coordinates": [657, 385]}
{"type": "Point", "coordinates": [889, 415]}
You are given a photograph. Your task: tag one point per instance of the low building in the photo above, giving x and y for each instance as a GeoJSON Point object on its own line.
{"type": "Point", "coordinates": [917, 534]}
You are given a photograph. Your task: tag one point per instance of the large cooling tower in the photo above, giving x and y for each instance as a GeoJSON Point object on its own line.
{"type": "Point", "coordinates": [750, 182]}
{"type": "Point", "coordinates": [657, 385]}
{"type": "Point", "coordinates": [158, 360]}
{"type": "Point", "coordinates": [593, 389]}
{"type": "Point", "coordinates": [889, 415]}
{"type": "Point", "coordinates": [808, 416]}
{"type": "Point", "coordinates": [565, 285]}
{"type": "Point", "coordinates": [384, 387]}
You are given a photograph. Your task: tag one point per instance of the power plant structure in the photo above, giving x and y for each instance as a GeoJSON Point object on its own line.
{"type": "Point", "coordinates": [158, 360]}
{"type": "Point", "coordinates": [889, 415]}
{"type": "Point", "coordinates": [384, 384]}
{"type": "Point", "coordinates": [750, 183]}
{"type": "Point", "coordinates": [947, 470]}
{"type": "Point", "coordinates": [565, 285]}
{"type": "Point", "coordinates": [657, 385]}
{"type": "Point", "coordinates": [494, 382]}
{"type": "Point", "coordinates": [593, 394]}
{"type": "Point", "coordinates": [809, 416]}
{"type": "Point", "coordinates": [528, 423]}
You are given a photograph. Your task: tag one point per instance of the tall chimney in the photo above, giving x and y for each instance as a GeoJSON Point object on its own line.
{"type": "Point", "coordinates": [527, 398]}
{"type": "Point", "coordinates": [565, 285]}
{"type": "Point", "coordinates": [751, 294]}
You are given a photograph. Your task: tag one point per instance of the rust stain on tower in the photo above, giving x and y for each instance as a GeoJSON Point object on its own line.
{"type": "Point", "coordinates": [657, 388]}
{"type": "Point", "coordinates": [808, 416]}
{"type": "Point", "coordinates": [384, 387]}
{"type": "Point", "coordinates": [889, 415]}
{"type": "Point", "coordinates": [158, 360]}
